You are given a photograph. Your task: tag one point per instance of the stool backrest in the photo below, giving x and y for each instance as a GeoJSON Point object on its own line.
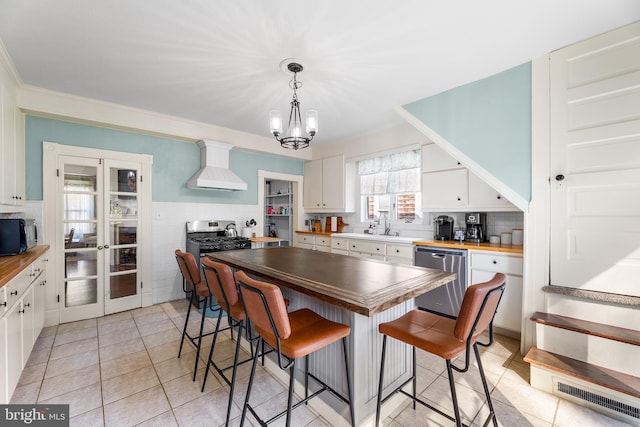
{"type": "Point", "coordinates": [188, 268]}
{"type": "Point", "coordinates": [479, 305]}
{"type": "Point", "coordinates": [221, 283]}
{"type": "Point", "coordinates": [265, 307]}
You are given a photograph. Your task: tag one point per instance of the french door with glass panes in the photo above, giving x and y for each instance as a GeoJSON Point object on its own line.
{"type": "Point", "coordinates": [99, 209]}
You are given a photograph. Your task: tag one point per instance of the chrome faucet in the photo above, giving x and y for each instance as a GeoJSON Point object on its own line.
{"type": "Point", "coordinates": [387, 228]}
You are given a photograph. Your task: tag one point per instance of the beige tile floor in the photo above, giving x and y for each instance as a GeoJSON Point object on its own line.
{"type": "Point", "coordinates": [123, 370]}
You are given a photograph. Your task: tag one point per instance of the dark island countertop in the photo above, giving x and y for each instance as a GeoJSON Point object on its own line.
{"type": "Point", "coordinates": [363, 286]}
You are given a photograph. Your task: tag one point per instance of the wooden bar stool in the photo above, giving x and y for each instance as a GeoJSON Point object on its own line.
{"type": "Point", "coordinates": [199, 294]}
{"type": "Point", "coordinates": [447, 338]}
{"type": "Point", "coordinates": [222, 284]}
{"type": "Point", "coordinates": [293, 335]}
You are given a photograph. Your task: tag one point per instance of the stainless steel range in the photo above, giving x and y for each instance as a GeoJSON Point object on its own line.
{"type": "Point", "coordinates": [213, 236]}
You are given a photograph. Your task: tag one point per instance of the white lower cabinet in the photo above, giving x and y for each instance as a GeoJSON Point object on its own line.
{"type": "Point", "coordinates": [4, 397]}
{"type": "Point", "coordinates": [14, 346]}
{"type": "Point", "coordinates": [314, 242]}
{"type": "Point", "coordinates": [484, 265]}
{"type": "Point", "coordinates": [21, 323]}
{"type": "Point", "coordinates": [395, 253]}
{"type": "Point", "coordinates": [399, 254]}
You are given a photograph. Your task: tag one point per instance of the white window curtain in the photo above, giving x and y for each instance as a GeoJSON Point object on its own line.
{"type": "Point", "coordinates": [397, 173]}
{"type": "Point", "coordinates": [79, 204]}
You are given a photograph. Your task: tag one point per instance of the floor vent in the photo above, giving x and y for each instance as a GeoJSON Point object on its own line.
{"type": "Point", "coordinates": [597, 399]}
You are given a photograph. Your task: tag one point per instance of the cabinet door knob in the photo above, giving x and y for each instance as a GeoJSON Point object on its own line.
{"type": "Point", "coordinates": [499, 197]}
{"type": "Point", "coordinates": [495, 262]}
{"type": "Point", "coordinates": [4, 304]}
{"type": "Point", "coordinates": [458, 198]}
{"type": "Point", "coordinates": [559, 177]}
{"type": "Point", "coordinates": [13, 293]}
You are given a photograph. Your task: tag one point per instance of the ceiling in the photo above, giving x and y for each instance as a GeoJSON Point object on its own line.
{"type": "Point", "coordinates": [217, 61]}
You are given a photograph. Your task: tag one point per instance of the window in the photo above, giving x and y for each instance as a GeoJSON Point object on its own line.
{"type": "Point", "coordinates": [390, 186]}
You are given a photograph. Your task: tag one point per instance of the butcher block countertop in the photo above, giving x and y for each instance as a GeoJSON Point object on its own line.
{"type": "Point", "coordinates": [11, 266]}
{"type": "Point", "coordinates": [319, 233]}
{"type": "Point", "coordinates": [418, 241]}
{"type": "Point", "coordinates": [486, 246]}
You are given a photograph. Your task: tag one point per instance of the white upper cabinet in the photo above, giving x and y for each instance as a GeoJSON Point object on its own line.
{"type": "Point", "coordinates": [436, 159]}
{"type": "Point", "coordinates": [328, 186]}
{"type": "Point", "coordinates": [313, 185]}
{"type": "Point", "coordinates": [449, 186]}
{"type": "Point", "coordinates": [445, 190]}
{"type": "Point", "coordinates": [11, 147]}
{"type": "Point", "coordinates": [485, 197]}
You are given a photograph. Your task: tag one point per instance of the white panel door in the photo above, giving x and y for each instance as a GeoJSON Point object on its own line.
{"type": "Point", "coordinates": [595, 163]}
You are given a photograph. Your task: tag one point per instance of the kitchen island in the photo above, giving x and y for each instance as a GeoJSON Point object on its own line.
{"type": "Point", "coordinates": [354, 291]}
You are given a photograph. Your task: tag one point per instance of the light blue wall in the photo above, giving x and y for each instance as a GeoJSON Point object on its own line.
{"type": "Point", "coordinates": [490, 121]}
{"type": "Point", "coordinates": [174, 162]}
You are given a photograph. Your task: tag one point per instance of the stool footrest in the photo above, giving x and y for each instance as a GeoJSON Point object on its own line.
{"type": "Point", "coordinates": [294, 406]}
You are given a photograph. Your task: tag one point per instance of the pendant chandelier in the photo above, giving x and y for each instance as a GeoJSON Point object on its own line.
{"type": "Point", "coordinates": [294, 138]}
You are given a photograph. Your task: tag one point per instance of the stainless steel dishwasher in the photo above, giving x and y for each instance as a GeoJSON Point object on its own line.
{"type": "Point", "coordinates": [446, 299]}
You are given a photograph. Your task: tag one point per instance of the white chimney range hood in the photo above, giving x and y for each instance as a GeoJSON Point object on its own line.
{"type": "Point", "coordinates": [214, 172]}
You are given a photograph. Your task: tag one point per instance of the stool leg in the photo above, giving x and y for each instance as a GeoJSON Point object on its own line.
{"type": "Point", "coordinates": [292, 374]}
{"type": "Point", "coordinates": [251, 377]}
{"type": "Point", "coordinates": [186, 322]}
{"type": "Point", "coordinates": [349, 394]}
{"type": "Point", "coordinates": [233, 375]}
{"type": "Point", "coordinates": [415, 376]}
{"type": "Point", "coordinates": [204, 315]}
{"type": "Point", "coordinates": [306, 377]}
{"type": "Point", "coordinates": [384, 350]}
{"type": "Point", "coordinates": [454, 397]}
{"type": "Point", "coordinates": [213, 344]}
{"type": "Point", "coordinates": [492, 414]}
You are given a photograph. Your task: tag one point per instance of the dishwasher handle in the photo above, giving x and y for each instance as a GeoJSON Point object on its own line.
{"type": "Point", "coordinates": [437, 250]}
{"type": "Point", "coordinates": [441, 256]}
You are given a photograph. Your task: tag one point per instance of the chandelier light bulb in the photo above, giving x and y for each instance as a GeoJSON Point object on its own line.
{"type": "Point", "coordinates": [276, 122]}
{"type": "Point", "coordinates": [312, 122]}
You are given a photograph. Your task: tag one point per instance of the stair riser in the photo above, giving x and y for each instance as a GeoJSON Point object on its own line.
{"type": "Point", "coordinates": [590, 349]}
{"type": "Point", "coordinates": [609, 314]}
